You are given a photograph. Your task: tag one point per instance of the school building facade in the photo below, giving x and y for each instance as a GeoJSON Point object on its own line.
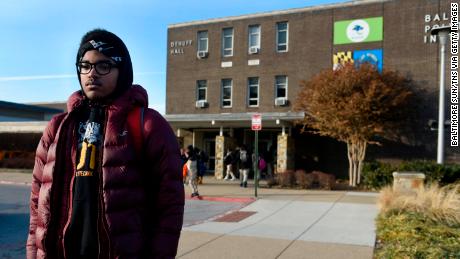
{"type": "Point", "coordinates": [222, 71]}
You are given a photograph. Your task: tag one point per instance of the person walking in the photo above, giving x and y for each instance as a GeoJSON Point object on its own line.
{"type": "Point", "coordinates": [192, 166]}
{"type": "Point", "coordinates": [105, 185]}
{"type": "Point", "coordinates": [229, 162]}
{"type": "Point", "coordinates": [244, 165]}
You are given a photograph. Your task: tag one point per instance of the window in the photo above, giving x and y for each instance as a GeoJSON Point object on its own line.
{"type": "Point", "coordinates": [202, 41]}
{"type": "Point", "coordinates": [282, 37]}
{"type": "Point", "coordinates": [254, 38]}
{"type": "Point", "coordinates": [253, 91]}
{"type": "Point", "coordinates": [227, 42]}
{"type": "Point", "coordinates": [281, 87]}
{"type": "Point", "coordinates": [201, 90]}
{"type": "Point", "coordinates": [226, 93]}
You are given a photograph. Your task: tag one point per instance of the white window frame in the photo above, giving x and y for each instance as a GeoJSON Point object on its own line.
{"type": "Point", "coordinates": [222, 92]}
{"type": "Point", "coordinates": [198, 87]}
{"type": "Point", "coordinates": [259, 33]}
{"type": "Point", "coordinates": [286, 86]}
{"type": "Point", "coordinates": [199, 40]}
{"type": "Point", "coordinates": [249, 92]}
{"type": "Point", "coordinates": [223, 42]}
{"type": "Point", "coordinates": [278, 44]}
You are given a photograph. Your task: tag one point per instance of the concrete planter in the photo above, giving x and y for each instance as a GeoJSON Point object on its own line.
{"type": "Point", "coordinates": [407, 181]}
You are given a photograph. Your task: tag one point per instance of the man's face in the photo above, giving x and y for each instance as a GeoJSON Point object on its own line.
{"type": "Point", "coordinates": [98, 75]}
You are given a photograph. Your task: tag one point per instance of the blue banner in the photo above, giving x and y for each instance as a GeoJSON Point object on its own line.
{"type": "Point", "coordinates": [372, 56]}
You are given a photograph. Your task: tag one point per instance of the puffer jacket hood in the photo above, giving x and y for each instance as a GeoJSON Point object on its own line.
{"type": "Point", "coordinates": [135, 96]}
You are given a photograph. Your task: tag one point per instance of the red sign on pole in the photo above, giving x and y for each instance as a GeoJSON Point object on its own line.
{"type": "Point", "coordinates": [256, 122]}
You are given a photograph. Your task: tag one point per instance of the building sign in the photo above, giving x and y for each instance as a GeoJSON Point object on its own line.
{"type": "Point", "coordinates": [433, 21]}
{"type": "Point", "coordinates": [360, 30]}
{"type": "Point", "coordinates": [177, 47]}
{"type": "Point", "coordinates": [256, 123]}
{"type": "Point", "coordinates": [372, 56]}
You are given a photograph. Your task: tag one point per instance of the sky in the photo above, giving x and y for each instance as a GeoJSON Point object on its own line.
{"type": "Point", "coordinates": [39, 39]}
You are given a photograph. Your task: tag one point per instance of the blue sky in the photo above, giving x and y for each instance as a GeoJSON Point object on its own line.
{"type": "Point", "coordinates": [39, 39]}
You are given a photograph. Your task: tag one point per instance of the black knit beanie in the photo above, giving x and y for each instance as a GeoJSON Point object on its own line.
{"type": "Point", "coordinates": [113, 47]}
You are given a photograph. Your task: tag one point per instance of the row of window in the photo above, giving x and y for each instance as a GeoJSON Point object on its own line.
{"type": "Point", "coordinates": [254, 42]}
{"type": "Point", "coordinates": [253, 88]}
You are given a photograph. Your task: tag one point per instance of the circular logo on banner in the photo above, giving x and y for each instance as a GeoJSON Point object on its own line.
{"type": "Point", "coordinates": [369, 58]}
{"type": "Point", "coordinates": [358, 30]}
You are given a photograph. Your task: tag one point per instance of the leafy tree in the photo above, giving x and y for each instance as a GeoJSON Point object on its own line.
{"type": "Point", "coordinates": [354, 104]}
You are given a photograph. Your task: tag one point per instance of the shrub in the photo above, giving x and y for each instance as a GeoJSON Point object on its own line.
{"type": "Point", "coordinates": [302, 180]}
{"type": "Point", "coordinates": [434, 172]}
{"type": "Point", "coordinates": [375, 175]}
{"type": "Point", "coordinates": [433, 202]}
{"type": "Point", "coordinates": [410, 235]}
{"type": "Point", "coordinates": [326, 181]}
{"type": "Point", "coordinates": [286, 179]}
{"type": "Point", "coordinates": [424, 224]}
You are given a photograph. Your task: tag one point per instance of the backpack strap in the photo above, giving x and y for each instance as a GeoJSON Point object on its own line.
{"type": "Point", "coordinates": [135, 128]}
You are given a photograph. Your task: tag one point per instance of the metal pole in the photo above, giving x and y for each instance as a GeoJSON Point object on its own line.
{"type": "Point", "coordinates": [256, 173]}
{"type": "Point", "coordinates": [440, 154]}
{"type": "Point", "coordinates": [193, 138]}
{"type": "Point", "coordinates": [443, 36]}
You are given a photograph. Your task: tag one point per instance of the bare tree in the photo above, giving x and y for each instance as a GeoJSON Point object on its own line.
{"type": "Point", "coordinates": [354, 104]}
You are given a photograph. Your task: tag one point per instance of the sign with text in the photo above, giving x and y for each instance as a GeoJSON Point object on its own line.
{"type": "Point", "coordinates": [256, 122]}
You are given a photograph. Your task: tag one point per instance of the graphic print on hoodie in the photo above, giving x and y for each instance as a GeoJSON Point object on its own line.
{"type": "Point", "coordinates": [82, 236]}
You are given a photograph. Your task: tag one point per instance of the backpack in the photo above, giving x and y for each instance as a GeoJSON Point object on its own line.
{"type": "Point", "coordinates": [243, 156]}
{"type": "Point", "coordinates": [135, 125]}
{"type": "Point", "coordinates": [228, 159]}
{"type": "Point", "coordinates": [262, 164]}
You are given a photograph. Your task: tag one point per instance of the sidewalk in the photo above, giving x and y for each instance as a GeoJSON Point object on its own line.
{"type": "Point", "coordinates": [280, 223]}
{"type": "Point", "coordinates": [283, 223]}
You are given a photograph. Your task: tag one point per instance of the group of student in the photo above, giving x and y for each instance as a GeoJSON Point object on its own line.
{"type": "Point", "coordinates": [239, 160]}
{"type": "Point", "coordinates": [243, 161]}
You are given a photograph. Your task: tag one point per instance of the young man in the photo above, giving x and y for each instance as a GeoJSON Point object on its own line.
{"type": "Point", "coordinates": [244, 159]}
{"type": "Point", "coordinates": [95, 193]}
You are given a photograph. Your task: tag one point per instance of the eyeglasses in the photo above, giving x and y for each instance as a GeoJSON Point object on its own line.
{"type": "Point", "coordinates": [102, 67]}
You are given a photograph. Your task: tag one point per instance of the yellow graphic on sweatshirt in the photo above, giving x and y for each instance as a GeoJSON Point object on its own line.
{"type": "Point", "coordinates": [84, 150]}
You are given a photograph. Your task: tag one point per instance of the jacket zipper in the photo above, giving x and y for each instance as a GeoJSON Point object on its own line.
{"type": "Point", "coordinates": [100, 213]}
{"type": "Point", "coordinates": [70, 202]}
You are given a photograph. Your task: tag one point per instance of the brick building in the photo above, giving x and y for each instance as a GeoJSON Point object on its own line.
{"type": "Point", "coordinates": [221, 71]}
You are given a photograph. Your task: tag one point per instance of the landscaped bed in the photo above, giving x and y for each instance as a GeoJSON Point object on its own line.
{"type": "Point", "coordinates": [423, 224]}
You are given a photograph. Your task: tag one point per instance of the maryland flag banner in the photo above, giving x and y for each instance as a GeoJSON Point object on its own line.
{"type": "Point", "coordinates": [341, 58]}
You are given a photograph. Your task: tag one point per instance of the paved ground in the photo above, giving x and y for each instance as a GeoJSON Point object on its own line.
{"type": "Point", "coordinates": [229, 222]}
{"type": "Point", "coordinates": [14, 220]}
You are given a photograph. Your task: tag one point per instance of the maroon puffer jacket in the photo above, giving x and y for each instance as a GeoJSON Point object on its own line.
{"type": "Point", "coordinates": [142, 199]}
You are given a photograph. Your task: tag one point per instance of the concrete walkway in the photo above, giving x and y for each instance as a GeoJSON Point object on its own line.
{"type": "Point", "coordinates": [279, 223]}
{"type": "Point", "coordinates": [283, 223]}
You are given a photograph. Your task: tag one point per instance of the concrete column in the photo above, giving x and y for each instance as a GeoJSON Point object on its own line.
{"type": "Point", "coordinates": [180, 139]}
{"type": "Point", "coordinates": [178, 132]}
{"type": "Point", "coordinates": [193, 138]}
{"type": "Point", "coordinates": [285, 153]}
{"type": "Point", "coordinates": [219, 157]}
